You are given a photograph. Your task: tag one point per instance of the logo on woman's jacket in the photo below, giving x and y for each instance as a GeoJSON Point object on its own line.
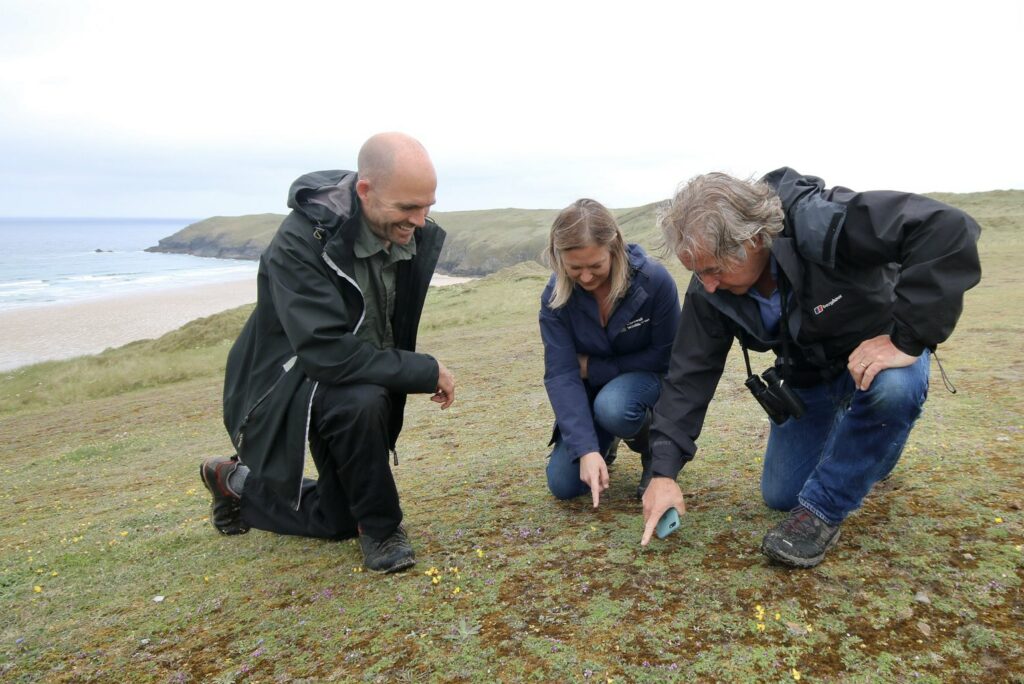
{"type": "Point", "coordinates": [636, 323]}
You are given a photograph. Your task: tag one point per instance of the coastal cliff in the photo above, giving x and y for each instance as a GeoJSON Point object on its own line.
{"type": "Point", "coordinates": [478, 243]}
{"type": "Point", "coordinates": [223, 237]}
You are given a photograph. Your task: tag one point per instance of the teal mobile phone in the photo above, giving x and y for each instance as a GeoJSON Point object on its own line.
{"type": "Point", "coordinates": [668, 524]}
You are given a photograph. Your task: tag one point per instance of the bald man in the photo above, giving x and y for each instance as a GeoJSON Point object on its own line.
{"type": "Point", "coordinates": [328, 356]}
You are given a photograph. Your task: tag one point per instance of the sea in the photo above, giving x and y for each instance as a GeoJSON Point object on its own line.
{"type": "Point", "coordinates": [47, 261]}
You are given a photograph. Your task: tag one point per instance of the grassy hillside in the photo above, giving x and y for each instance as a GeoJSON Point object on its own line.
{"type": "Point", "coordinates": [482, 242]}
{"type": "Point", "coordinates": [224, 237]}
{"type": "Point", "coordinates": [478, 243]}
{"type": "Point", "coordinates": [111, 571]}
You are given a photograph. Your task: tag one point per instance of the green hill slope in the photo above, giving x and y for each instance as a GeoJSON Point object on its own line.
{"type": "Point", "coordinates": [110, 569]}
{"type": "Point", "coordinates": [478, 243]}
{"type": "Point", "coordinates": [482, 242]}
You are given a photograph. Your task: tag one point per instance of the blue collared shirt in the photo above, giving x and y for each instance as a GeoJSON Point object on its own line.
{"type": "Point", "coordinates": [770, 306]}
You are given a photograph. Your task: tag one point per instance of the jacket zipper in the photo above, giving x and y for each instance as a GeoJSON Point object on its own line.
{"type": "Point", "coordinates": [309, 418]}
{"type": "Point", "coordinates": [239, 437]}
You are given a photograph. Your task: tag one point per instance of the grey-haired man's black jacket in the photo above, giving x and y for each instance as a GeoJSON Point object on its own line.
{"type": "Point", "coordinates": [859, 264]}
{"type": "Point", "coordinates": [301, 332]}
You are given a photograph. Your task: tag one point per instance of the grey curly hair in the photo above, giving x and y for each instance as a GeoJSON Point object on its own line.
{"type": "Point", "coordinates": [717, 215]}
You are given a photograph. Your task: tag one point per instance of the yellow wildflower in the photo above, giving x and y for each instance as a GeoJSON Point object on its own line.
{"type": "Point", "coordinates": [999, 520]}
{"type": "Point", "coordinates": [456, 590]}
{"type": "Point", "coordinates": [38, 589]}
{"type": "Point", "coordinates": [796, 674]}
{"type": "Point", "coordinates": [760, 626]}
{"type": "Point", "coordinates": [479, 553]}
{"type": "Point", "coordinates": [436, 580]}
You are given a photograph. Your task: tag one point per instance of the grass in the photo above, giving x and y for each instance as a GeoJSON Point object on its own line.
{"type": "Point", "coordinates": [102, 513]}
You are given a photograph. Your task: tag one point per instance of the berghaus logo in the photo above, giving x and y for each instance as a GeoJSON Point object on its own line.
{"type": "Point", "coordinates": [821, 307]}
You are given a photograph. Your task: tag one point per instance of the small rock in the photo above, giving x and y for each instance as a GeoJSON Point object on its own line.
{"type": "Point", "coordinates": [968, 556]}
{"type": "Point", "coordinates": [796, 629]}
{"type": "Point", "coordinates": [144, 642]}
{"type": "Point", "coordinates": [906, 613]}
{"type": "Point", "coordinates": [158, 599]}
{"type": "Point", "coordinates": [922, 597]}
{"type": "Point", "coordinates": [924, 628]}
{"type": "Point", "coordinates": [1002, 438]}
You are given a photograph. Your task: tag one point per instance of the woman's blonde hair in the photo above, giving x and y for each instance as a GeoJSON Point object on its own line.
{"type": "Point", "coordinates": [583, 223]}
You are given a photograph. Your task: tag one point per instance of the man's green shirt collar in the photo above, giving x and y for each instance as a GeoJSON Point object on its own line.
{"type": "Point", "coordinates": [367, 244]}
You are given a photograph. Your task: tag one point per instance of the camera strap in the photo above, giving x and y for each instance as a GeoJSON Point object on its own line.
{"type": "Point", "coordinates": [784, 325]}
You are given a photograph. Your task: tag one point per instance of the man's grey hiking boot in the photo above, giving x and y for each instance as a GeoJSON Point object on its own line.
{"type": "Point", "coordinates": [391, 554]}
{"type": "Point", "coordinates": [801, 540]}
{"type": "Point", "coordinates": [225, 508]}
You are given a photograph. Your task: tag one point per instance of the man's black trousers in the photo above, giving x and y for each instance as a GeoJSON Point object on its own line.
{"type": "Point", "coordinates": [348, 437]}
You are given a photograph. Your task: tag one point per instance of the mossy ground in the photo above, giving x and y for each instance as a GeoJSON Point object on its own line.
{"type": "Point", "coordinates": [102, 513]}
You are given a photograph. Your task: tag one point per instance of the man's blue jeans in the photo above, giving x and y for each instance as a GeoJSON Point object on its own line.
{"type": "Point", "coordinates": [847, 440]}
{"type": "Point", "coordinates": [619, 410]}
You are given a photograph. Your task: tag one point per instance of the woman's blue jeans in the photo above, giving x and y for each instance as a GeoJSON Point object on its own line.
{"type": "Point", "coordinates": [846, 441]}
{"type": "Point", "coordinates": [619, 409]}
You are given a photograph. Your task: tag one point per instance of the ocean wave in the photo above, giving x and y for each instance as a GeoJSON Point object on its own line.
{"type": "Point", "coordinates": [20, 284]}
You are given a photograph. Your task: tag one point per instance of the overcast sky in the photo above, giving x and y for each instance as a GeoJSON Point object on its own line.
{"type": "Point", "coordinates": [193, 109]}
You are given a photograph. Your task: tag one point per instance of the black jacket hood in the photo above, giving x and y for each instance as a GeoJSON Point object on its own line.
{"type": "Point", "coordinates": [804, 201]}
{"type": "Point", "coordinates": [326, 198]}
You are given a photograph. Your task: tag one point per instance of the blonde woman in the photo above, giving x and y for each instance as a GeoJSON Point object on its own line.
{"type": "Point", "coordinates": [608, 318]}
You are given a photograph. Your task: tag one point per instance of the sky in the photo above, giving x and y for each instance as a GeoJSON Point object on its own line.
{"type": "Point", "coordinates": [196, 109]}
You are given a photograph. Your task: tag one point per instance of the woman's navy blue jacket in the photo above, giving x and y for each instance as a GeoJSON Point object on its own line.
{"type": "Point", "coordinates": [638, 337]}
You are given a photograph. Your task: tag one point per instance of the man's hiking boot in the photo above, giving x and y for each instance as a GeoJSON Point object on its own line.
{"type": "Point", "coordinates": [225, 509]}
{"type": "Point", "coordinates": [391, 554]}
{"type": "Point", "coordinates": [801, 540]}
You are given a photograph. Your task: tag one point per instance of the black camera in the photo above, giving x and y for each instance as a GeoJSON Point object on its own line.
{"type": "Point", "coordinates": [775, 396]}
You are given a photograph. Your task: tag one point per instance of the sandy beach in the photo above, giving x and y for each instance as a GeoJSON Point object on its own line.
{"type": "Point", "coordinates": [60, 331]}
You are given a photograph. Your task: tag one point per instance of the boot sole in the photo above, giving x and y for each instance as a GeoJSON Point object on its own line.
{"type": "Point", "coordinates": [403, 564]}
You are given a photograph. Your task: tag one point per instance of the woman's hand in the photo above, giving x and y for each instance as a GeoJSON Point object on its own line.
{"type": "Point", "coordinates": [583, 358]}
{"type": "Point", "coordinates": [594, 473]}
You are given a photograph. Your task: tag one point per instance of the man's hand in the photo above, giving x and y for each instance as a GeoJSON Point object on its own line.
{"type": "Point", "coordinates": [583, 360]}
{"type": "Point", "coordinates": [662, 494]}
{"type": "Point", "coordinates": [594, 472]}
{"type": "Point", "coordinates": [445, 393]}
{"type": "Point", "coordinates": [873, 356]}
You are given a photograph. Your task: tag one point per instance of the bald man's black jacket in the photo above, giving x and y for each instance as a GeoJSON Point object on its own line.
{"type": "Point", "coordinates": [302, 331]}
